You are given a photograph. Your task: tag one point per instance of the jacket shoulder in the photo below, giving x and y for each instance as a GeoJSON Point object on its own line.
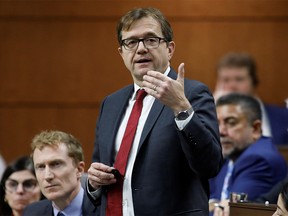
{"type": "Point", "coordinates": [42, 207]}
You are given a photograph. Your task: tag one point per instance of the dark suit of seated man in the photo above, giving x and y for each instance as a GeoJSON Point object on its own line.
{"type": "Point", "coordinates": [59, 164]}
{"type": "Point", "coordinates": [252, 162]}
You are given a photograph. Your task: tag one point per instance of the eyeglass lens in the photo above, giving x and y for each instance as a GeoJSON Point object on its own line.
{"type": "Point", "coordinates": [28, 185]}
{"type": "Point", "coordinates": [151, 42]}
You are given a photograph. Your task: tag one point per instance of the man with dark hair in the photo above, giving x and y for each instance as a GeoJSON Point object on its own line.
{"type": "Point", "coordinates": [252, 162]}
{"type": "Point", "coordinates": [237, 72]}
{"type": "Point", "coordinates": [161, 163]}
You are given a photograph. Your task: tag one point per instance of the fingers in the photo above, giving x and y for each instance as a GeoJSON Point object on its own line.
{"type": "Point", "coordinates": [217, 205]}
{"type": "Point", "coordinates": [154, 82]}
{"type": "Point", "coordinates": [154, 78]}
{"type": "Point", "coordinates": [181, 72]}
{"type": "Point", "coordinates": [100, 174]}
{"type": "Point", "coordinates": [219, 210]}
{"type": "Point", "coordinates": [222, 208]}
{"type": "Point", "coordinates": [169, 91]}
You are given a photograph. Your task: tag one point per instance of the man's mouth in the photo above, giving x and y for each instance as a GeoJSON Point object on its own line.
{"type": "Point", "coordinates": [225, 141]}
{"type": "Point", "coordinates": [50, 186]}
{"type": "Point", "coordinates": [144, 60]}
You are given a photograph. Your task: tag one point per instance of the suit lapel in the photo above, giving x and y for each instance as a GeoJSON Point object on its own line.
{"type": "Point", "coordinates": [88, 208]}
{"type": "Point", "coordinates": [154, 114]}
{"type": "Point", "coordinates": [47, 209]}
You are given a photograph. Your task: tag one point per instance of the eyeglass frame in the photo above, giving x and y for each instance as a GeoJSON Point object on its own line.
{"type": "Point", "coordinates": [143, 41]}
{"type": "Point", "coordinates": [25, 185]}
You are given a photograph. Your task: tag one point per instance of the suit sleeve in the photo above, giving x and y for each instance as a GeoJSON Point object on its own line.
{"type": "Point", "coordinates": [200, 137]}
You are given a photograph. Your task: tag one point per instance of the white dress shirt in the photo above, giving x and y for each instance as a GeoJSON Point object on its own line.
{"type": "Point", "coordinates": [266, 129]}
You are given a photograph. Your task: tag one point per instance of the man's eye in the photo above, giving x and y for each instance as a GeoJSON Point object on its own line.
{"type": "Point", "coordinates": [151, 40]}
{"type": "Point", "coordinates": [131, 42]}
{"type": "Point", "coordinates": [231, 124]}
{"type": "Point", "coordinates": [40, 167]}
{"type": "Point", "coordinates": [56, 164]}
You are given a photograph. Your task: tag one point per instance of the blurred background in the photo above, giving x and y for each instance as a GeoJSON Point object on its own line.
{"type": "Point", "coordinates": [59, 59]}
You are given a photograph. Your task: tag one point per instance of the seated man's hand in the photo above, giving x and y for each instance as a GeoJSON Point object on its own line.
{"type": "Point", "coordinates": [222, 208]}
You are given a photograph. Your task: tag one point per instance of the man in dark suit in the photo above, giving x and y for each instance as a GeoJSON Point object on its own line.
{"type": "Point", "coordinates": [237, 72]}
{"type": "Point", "coordinates": [176, 148]}
{"type": "Point", "coordinates": [253, 164]}
{"type": "Point", "coordinates": [59, 164]}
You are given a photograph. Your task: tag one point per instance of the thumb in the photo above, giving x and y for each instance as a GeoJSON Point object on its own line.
{"type": "Point", "coordinates": [181, 73]}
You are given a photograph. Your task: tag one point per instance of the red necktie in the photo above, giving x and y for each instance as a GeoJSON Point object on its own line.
{"type": "Point", "coordinates": [114, 196]}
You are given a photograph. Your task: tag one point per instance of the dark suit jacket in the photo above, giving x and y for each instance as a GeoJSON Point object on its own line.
{"type": "Point", "coordinates": [278, 118]}
{"type": "Point", "coordinates": [171, 170]}
{"type": "Point", "coordinates": [44, 208]}
{"type": "Point", "coordinates": [272, 195]}
{"type": "Point", "coordinates": [255, 172]}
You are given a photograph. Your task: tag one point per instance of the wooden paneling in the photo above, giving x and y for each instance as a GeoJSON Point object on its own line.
{"type": "Point", "coordinates": [59, 59]}
{"type": "Point", "coordinates": [255, 209]}
{"type": "Point", "coordinates": [283, 149]}
{"type": "Point", "coordinates": [19, 125]}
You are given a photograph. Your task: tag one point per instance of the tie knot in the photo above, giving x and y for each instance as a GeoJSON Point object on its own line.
{"type": "Point", "coordinates": [141, 93]}
{"type": "Point", "coordinates": [60, 214]}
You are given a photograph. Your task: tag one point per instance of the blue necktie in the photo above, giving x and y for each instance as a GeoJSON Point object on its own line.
{"type": "Point", "coordinates": [224, 193]}
{"type": "Point", "coordinates": [60, 214]}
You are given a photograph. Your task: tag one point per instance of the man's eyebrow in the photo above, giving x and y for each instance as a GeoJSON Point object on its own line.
{"type": "Point", "coordinates": [148, 34]}
{"type": "Point", "coordinates": [230, 118]}
{"type": "Point", "coordinates": [151, 34]}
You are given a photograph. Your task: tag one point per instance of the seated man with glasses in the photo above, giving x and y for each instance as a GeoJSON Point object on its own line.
{"type": "Point", "coordinates": [19, 187]}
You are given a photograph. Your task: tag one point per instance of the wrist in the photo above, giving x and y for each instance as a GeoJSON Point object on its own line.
{"type": "Point", "coordinates": [183, 115]}
{"type": "Point", "coordinates": [92, 187]}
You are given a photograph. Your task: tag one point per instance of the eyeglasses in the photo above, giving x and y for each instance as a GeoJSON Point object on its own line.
{"type": "Point", "coordinates": [28, 185]}
{"type": "Point", "coordinates": [149, 43]}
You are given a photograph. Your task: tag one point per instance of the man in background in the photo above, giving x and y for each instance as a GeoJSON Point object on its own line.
{"type": "Point", "coordinates": [252, 164]}
{"type": "Point", "coordinates": [237, 72]}
{"type": "Point", "coordinates": [59, 164]}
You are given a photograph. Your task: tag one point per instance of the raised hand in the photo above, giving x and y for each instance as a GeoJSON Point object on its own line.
{"type": "Point", "coordinates": [169, 91]}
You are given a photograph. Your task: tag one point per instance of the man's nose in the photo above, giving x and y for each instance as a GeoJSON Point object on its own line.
{"type": "Point", "coordinates": [48, 173]}
{"type": "Point", "coordinates": [141, 46]}
{"type": "Point", "coordinates": [222, 129]}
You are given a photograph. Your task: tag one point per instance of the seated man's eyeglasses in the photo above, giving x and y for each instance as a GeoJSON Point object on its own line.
{"type": "Point", "coordinates": [131, 44]}
{"type": "Point", "coordinates": [28, 185]}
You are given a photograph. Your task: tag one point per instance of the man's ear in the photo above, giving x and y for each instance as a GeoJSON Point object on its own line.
{"type": "Point", "coordinates": [81, 168]}
{"type": "Point", "coordinates": [257, 129]}
{"type": "Point", "coordinates": [171, 49]}
{"type": "Point", "coordinates": [120, 50]}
